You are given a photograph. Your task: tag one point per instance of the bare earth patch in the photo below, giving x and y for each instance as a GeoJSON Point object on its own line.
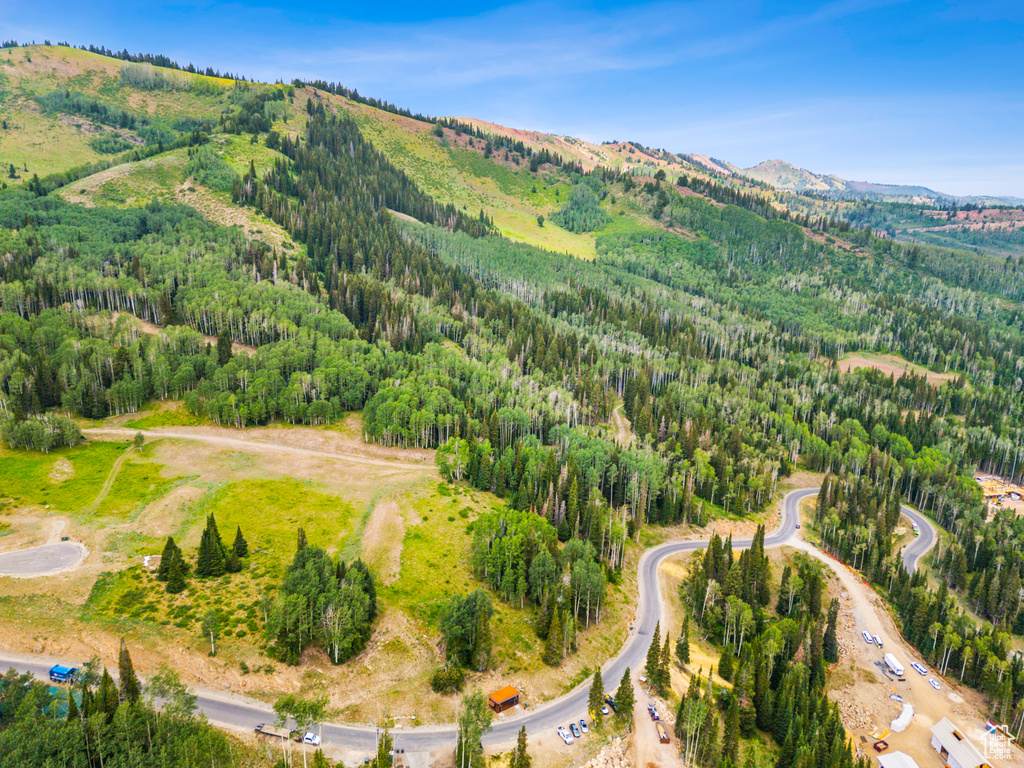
{"type": "Point", "coordinates": [382, 540]}
{"type": "Point", "coordinates": [894, 366]}
{"type": "Point", "coordinates": [61, 471]}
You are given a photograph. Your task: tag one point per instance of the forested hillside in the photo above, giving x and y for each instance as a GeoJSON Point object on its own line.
{"type": "Point", "coordinates": [711, 314]}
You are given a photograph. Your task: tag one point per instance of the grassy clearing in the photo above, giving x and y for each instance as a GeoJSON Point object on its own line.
{"type": "Point", "coordinates": [137, 484]}
{"type": "Point", "coordinates": [462, 176]}
{"type": "Point", "coordinates": [169, 415]}
{"type": "Point", "coordinates": [34, 478]}
{"type": "Point", "coordinates": [270, 512]}
{"type": "Point", "coordinates": [52, 143]}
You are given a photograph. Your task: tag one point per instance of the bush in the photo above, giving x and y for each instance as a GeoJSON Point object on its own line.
{"type": "Point", "coordinates": [448, 679]}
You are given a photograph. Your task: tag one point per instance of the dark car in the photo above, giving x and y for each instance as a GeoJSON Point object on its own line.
{"type": "Point", "coordinates": [575, 730]}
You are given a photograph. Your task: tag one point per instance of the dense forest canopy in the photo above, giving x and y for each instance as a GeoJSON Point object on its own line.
{"type": "Point", "coordinates": [710, 321]}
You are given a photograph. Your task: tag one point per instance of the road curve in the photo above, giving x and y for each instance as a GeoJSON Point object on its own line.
{"type": "Point", "coordinates": [238, 712]}
{"type": "Point", "coordinates": [921, 545]}
{"type": "Point", "coordinates": [47, 560]}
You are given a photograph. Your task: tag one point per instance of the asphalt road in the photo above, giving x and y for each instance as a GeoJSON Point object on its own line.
{"type": "Point", "coordinates": [916, 549]}
{"type": "Point", "coordinates": [41, 561]}
{"type": "Point", "coordinates": [237, 712]}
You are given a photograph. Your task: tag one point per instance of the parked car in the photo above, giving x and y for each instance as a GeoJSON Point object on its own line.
{"type": "Point", "coordinates": [566, 736]}
{"type": "Point", "coordinates": [934, 684]}
{"type": "Point", "coordinates": [311, 738]}
{"type": "Point", "coordinates": [798, 525]}
{"type": "Point", "coordinates": [653, 711]}
{"type": "Point", "coordinates": [583, 726]}
{"type": "Point", "coordinates": [919, 667]}
{"type": "Point", "coordinates": [575, 730]}
{"type": "Point", "coordinates": [611, 703]}
{"type": "Point", "coordinates": [605, 710]}
{"type": "Point", "coordinates": [878, 641]}
{"type": "Point", "coordinates": [868, 638]}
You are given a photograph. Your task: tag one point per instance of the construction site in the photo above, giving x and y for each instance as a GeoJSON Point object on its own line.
{"type": "Point", "coordinates": [1000, 493]}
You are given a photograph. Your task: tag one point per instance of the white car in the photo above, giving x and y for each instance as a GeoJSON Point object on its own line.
{"type": "Point", "coordinates": [566, 736]}
{"type": "Point", "coordinates": [878, 641]}
{"type": "Point", "coordinates": [605, 710]}
{"type": "Point", "coordinates": [868, 638]}
{"type": "Point", "coordinates": [311, 738]}
{"type": "Point", "coordinates": [583, 726]}
{"type": "Point", "coordinates": [921, 670]}
{"type": "Point", "coordinates": [934, 684]}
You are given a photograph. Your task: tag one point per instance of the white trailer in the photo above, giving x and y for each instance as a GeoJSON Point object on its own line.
{"type": "Point", "coordinates": [893, 664]}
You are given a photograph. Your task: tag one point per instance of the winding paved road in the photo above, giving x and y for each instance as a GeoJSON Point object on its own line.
{"type": "Point", "coordinates": [237, 712]}
{"type": "Point", "coordinates": [919, 547]}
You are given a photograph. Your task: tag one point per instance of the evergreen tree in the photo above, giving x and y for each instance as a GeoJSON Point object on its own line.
{"type": "Point", "coordinates": [73, 713]}
{"type": "Point", "coordinates": [301, 542]}
{"type": "Point", "coordinates": [520, 757]}
{"type": "Point", "coordinates": [107, 699]}
{"type": "Point", "coordinates": [624, 698]}
{"type": "Point", "coordinates": [175, 578]}
{"type": "Point", "coordinates": [241, 546]}
{"type": "Point", "coordinates": [731, 733]}
{"type": "Point", "coordinates": [233, 564]}
{"type": "Point", "coordinates": [553, 645]}
{"type": "Point", "coordinates": [223, 347]}
{"type": "Point", "coordinates": [830, 643]}
{"type": "Point", "coordinates": [129, 688]}
{"type": "Point", "coordinates": [211, 560]}
{"type": "Point", "coordinates": [664, 681]}
{"type": "Point", "coordinates": [653, 655]}
{"type": "Point", "coordinates": [683, 643]}
{"type": "Point", "coordinates": [725, 665]}
{"type": "Point", "coordinates": [170, 552]}
{"type": "Point", "coordinates": [596, 699]}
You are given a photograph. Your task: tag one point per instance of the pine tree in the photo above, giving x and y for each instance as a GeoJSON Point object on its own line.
{"type": "Point", "coordinates": [683, 643]}
{"type": "Point", "coordinates": [553, 646]}
{"type": "Point", "coordinates": [653, 655]}
{"type": "Point", "coordinates": [170, 552]}
{"type": "Point", "coordinates": [210, 560]}
{"type": "Point", "coordinates": [224, 344]}
{"type": "Point", "coordinates": [233, 564]}
{"type": "Point", "coordinates": [731, 734]}
{"type": "Point", "coordinates": [241, 546]}
{"type": "Point", "coordinates": [175, 578]}
{"type": "Point", "coordinates": [129, 688]}
{"type": "Point", "coordinates": [596, 699]}
{"type": "Point", "coordinates": [107, 700]}
{"type": "Point", "coordinates": [725, 665]}
{"type": "Point", "coordinates": [73, 713]}
{"type": "Point", "coordinates": [664, 681]}
{"type": "Point", "coordinates": [830, 644]}
{"type": "Point", "coordinates": [624, 698]}
{"type": "Point", "coordinates": [520, 757]}
{"type": "Point", "coordinates": [300, 540]}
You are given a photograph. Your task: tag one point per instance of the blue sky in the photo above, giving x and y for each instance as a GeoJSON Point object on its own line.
{"type": "Point", "coordinates": [878, 90]}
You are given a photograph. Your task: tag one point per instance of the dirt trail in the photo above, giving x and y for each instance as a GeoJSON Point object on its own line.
{"type": "Point", "coordinates": [623, 429]}
{"type": "Point", "coordinates": [203, 435]}
{"type": "Point", "coordinates": [109, 482]}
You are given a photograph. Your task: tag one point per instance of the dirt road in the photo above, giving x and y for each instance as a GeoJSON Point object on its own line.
{"type": "Point", "coordinates": [205, 435]}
